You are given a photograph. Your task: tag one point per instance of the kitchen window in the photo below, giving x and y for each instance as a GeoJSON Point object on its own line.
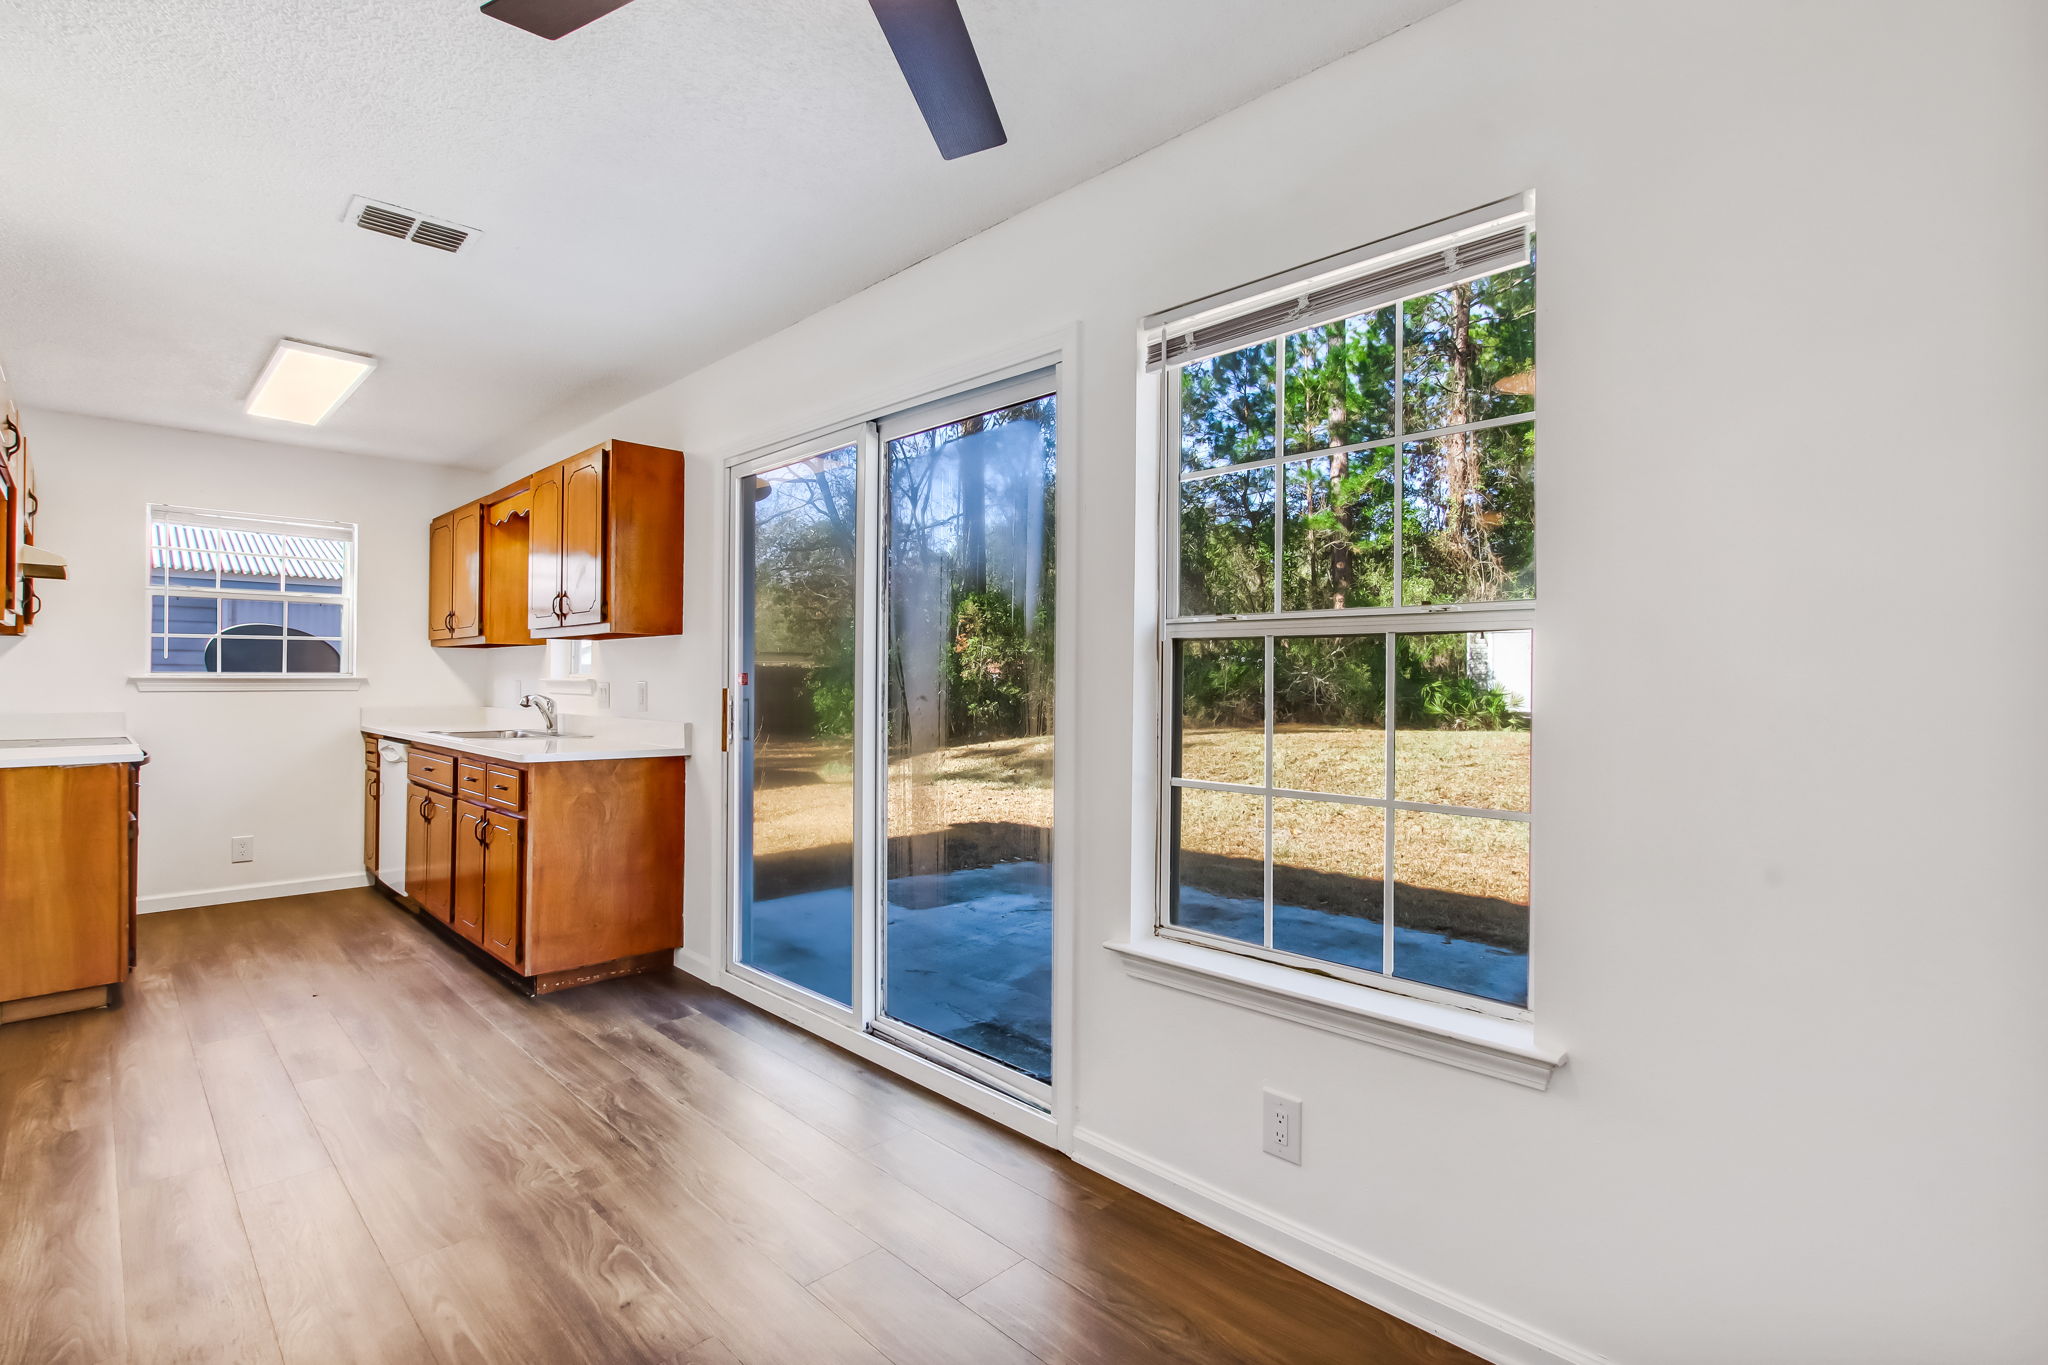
{"type": "Point", "coordinates": [232, 595]}
{"type": "Point", "coordinates": [1350, 607]}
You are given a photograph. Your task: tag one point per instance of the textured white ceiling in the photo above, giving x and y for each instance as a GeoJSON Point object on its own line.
{"type": "Point", "coordinates": [672, 182]}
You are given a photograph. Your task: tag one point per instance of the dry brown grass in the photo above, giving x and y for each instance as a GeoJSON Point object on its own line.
{"type": "Point", "coordinates": [803, 796]}
{"type": "Point", "coordinates": [804, 801]}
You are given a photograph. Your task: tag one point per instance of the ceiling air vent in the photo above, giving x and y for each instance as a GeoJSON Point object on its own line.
{"type": "Point", "coordinates": [393, 221]}
{"type": "Point", "coordinates": [440, 236]}
{"type": "Point", "coordinates": [379, 219]}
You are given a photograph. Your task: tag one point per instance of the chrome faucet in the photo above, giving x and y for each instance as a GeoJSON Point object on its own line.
{"type": "Point", "coordinates": [546, 707]}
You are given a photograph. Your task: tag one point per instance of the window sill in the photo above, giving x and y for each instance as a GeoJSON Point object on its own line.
{"type": "Point", "coordinates": [1501, 1048]}
{"type": "Point", "coordinates": [219, 682]}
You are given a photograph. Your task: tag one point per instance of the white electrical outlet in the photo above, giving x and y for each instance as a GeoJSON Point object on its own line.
{"type": "Point", "coordinates": [639, 696]}
{"type": "Point", "coordinates": [242, 849]}
{"type": "Point", "coordinates": [1282, 1119]}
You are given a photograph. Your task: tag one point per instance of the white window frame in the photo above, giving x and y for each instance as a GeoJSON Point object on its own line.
{"type": "Point", "coordinates": [340, 531]}
{"type": "Point", "coordinates": [1390, 621]}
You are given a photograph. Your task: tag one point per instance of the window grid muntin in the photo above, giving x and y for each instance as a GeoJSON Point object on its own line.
{"type": "Point", "coordinates": [1270, 793]}
{"type": "Point", "coordinates": [1392, 621]}
{"type": "Point", "coordinates": [1280, 458]}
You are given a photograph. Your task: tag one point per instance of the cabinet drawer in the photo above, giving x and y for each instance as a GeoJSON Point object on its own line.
{"type": "Point", "coordinates": [469, 778]}
{"type": "Point", "coordinates": [431, 769]}
{"type": "Point", "coordinates": [505, 787]}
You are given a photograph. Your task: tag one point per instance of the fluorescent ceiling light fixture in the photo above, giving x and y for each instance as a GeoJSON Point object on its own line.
{"type": "Point", "coordinates": [303, 382]}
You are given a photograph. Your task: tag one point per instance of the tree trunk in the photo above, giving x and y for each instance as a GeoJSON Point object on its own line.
{"type": "Point", "coordinates": [1464, 529]}
{"type": "Point", "coordinates": [1342, 570]}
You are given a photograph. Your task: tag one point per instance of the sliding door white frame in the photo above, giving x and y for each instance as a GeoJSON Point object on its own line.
{"type": "Point", "coordinates": [739, 718]}
{"type": "Point", "coordinates": [1041, 1112]}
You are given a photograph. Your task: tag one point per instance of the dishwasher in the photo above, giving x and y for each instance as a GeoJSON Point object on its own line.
{"type": "Point", "coordinates": [392, 807]}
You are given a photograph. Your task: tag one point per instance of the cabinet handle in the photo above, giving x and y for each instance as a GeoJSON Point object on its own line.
{"type": "Point", "coordinates": [448, 622]}
{"type": "Point", "coordinates": [561, 604]}
{"type": "Point", "coordinates": [481, 827]}
{"type": "Point", "coordinates": [427, 809]}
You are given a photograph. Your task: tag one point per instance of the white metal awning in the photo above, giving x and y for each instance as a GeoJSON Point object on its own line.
{"type": "Point", "coordinates": [203, 549]}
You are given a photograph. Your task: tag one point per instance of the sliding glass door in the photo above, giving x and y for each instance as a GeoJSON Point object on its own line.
{"type": "Point", "coordinates": [893, 728]}
{"type": "Point", "coordinates": [791, 721]}
{"type": "Point", "coordinates": [968, 601]}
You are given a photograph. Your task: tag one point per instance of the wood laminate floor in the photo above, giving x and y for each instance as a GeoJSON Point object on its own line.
{"type": "Point", "coordinates": [315, 1134]}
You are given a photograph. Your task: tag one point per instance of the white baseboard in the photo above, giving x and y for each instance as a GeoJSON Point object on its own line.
{"type": "Point", "coordinates": [249, 891]}
{"type": "Point", "coordinates": [1485, 1333]}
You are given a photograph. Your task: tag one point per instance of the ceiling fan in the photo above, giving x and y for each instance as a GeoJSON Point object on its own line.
{"type": "Point", "coordinates": [929, 39]}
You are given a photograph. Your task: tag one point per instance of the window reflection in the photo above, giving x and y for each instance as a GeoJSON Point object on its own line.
{"type": "Point", "coordinates": [797, 914]}
{"type": "Point", "coordinates": [969, 591]}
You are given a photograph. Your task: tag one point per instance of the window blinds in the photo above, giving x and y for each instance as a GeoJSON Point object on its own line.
{"type": "Point", "coordinates": [1460, 249]}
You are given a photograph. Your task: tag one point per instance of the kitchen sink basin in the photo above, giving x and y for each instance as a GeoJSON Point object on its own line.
{"type": "Point", "coordinates": [507, 734]}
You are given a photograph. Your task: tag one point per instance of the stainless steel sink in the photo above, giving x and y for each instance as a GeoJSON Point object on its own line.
{"type": "Point", "coordinates": [506, 734]}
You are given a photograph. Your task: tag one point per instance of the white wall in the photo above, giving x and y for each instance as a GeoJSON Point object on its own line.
{"type": "Point", "coordinates": [283, 766]}
{"type": "Point", "coordinates": [1791, 928]}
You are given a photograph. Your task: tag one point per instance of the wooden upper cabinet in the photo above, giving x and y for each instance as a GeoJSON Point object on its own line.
{"type": "Point", "coordinates": [440, 566]}
{"type": "Point", "coordinates": [583, 539]}
{"type": "Point", "coordinates": [544, 551]}
{"type": "Point", "coordinates": [465, 598]}
{"type": "Point", "coordinates": [10, 514]}
{"type": "Point", "coordinates": [455, 551]}
{"type": "Point", "coordinates": [593, 545]}
{"type": "Point", "coordinates": [605, 556]}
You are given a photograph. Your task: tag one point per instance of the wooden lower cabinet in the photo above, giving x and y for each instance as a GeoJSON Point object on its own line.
{"type": "Point", "coordinates": [373, 783]}
{"type": "Point", "coordinates": [429, 849]}
{"type": "Point", "coordinates": [563, 872]}
{"type": "Point", "coordinates": [488, 879]}
{"type": "Point", "coordinates": [67, 886]}
{"type": "Point", "coordinates": [504, 889]}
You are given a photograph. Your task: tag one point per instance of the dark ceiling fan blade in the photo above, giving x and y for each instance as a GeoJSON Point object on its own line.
{"type": "Point", "coordinates": [931, 44]}
{"type": "Point", "coordinates": [551, 18]}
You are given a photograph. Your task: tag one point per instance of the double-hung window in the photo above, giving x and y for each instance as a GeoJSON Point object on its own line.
{"type": "Point", "coordinates": [249, 596]}
{"type": "Point", "coordinates": [1350, 605]}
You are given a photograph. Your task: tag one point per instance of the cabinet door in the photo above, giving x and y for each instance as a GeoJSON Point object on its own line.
{"type": "Point", "coordinates": [441, 578]}
{"type": "Point", "coordinates": [64, 898]}
{"type": "Point", "coordinates": [465, 573]}
{"type": "Point", "coordinates": [583, 545]}
{"type": "Point", "coordinates": [9, 581]}
{"type": "Point", "coordinates": [372, 781]}
{"type": "Point", "coordinates": [504, 884]}
{"type": "Point", "coordinates": [544, 551]}
{"type": "Point", "coordinates": [429, 849]}
{"type": "Point", "coordinates": [467, 889]}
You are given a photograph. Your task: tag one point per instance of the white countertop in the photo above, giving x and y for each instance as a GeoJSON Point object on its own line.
{"type": "Point", "coordinates": [584, 738]}
{"type": "Point", "coordinates": [53, 740]}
